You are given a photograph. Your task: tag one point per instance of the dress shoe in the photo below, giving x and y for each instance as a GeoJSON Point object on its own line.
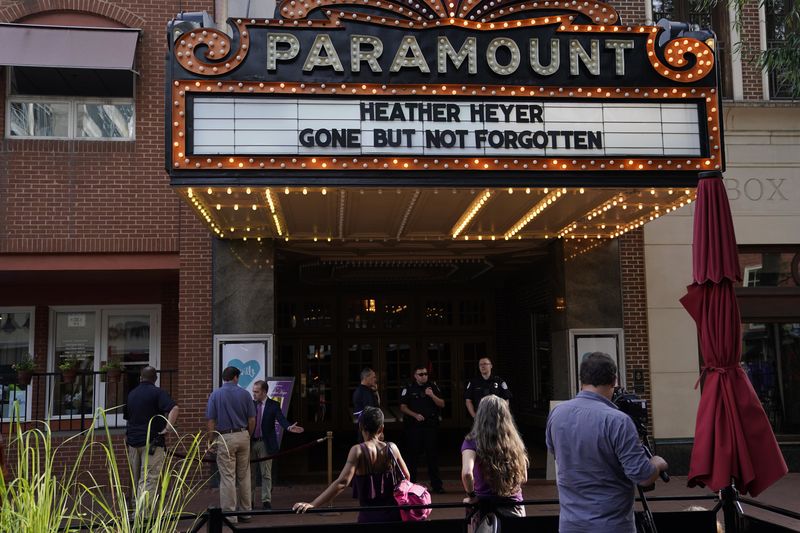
{"type": "Point", "coordinates": [267, 506]}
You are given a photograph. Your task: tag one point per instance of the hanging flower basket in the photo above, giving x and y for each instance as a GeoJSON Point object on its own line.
{"type": "Point", "coordinates": [68, 375]}
{"type": "Point", "coordinates": [113, 375]}
{"type": "Point", "coordinates": [24, 368]}
{"type": "Point", "coordinates": [24, 377]}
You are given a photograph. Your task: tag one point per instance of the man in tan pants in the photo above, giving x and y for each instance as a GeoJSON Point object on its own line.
{"type": "Point", "coordinates": [145, 411]}
{"type": "Point", "coordinates": [231, 419]}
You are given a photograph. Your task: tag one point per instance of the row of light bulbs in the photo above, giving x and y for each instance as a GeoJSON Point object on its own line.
{"type": "Point", "coordinates": [477, 204]}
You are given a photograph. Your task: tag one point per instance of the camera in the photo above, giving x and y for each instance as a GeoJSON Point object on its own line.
{"type": "Point", "coordinates": [633, 406]}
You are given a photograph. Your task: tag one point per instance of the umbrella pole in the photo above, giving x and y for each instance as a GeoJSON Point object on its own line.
{"type": "Point", "coordinates": [731, 509]}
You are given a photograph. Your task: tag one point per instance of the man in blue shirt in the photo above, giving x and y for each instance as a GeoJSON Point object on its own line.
{"type": "Point", "coordinates": [231, 420]}
{"type": "Point", "coordinates": [145, 411]}
{"type": "Point", "coordinates": [598, 453]}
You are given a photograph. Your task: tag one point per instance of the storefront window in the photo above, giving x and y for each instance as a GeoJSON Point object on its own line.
{"type": "Point", "coordinates": [771, 358]}
{"type": "Point", "coordinates": [70, 104]}
{"type": "Point", "coordinates": [16, 342]}
{"type": "Point", "coordinates": [770, 269]}
{"type": "Point", "coordinates": [90, 337]}
{"type": "Point", "coordinates": [16, 336]}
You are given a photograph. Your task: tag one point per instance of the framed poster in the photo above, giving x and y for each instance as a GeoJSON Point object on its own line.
{"type": "Point", "coordinates": [582, 342]}
{"type": "Point", "coordinates": [280, 390]}
{"type": "Point", "coordinates": [251, 354]}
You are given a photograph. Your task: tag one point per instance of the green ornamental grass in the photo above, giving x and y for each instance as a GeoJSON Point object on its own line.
{"type": "Point", "coordinates": [45, 494]}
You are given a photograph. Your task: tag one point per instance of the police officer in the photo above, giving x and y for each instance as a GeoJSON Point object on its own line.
{"type": "Point", "coordinates": [421, 402]}
{"type": "Point", "coordinates": [484, 385]}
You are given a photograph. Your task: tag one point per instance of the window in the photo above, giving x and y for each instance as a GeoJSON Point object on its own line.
{"type": "Point", "coordinates": [779, 29]}
{"type": "Point", "coordinates": [715, 19]}
{"type": "Point", "coordinates": [70, 103]}
{"type": "Point", "coordinates": [771, 358]}
{"type": "Point", "coordinates": [16, 341]}
{"type": "Point", "coordinates": [16, 335]}
{"type": "Point", "coordinates": [90, 336]}
{"type": "Point", "coordinates": [770, 269]}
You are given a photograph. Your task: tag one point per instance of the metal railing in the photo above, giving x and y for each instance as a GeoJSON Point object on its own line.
{"type": "Point", "coordinates": [70, 405]}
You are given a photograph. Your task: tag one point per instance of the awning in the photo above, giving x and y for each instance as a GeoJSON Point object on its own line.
{"type": "Point", "coordinates": [68, 47]}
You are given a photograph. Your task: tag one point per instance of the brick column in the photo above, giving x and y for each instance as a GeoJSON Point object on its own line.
{"type": "Point", "coordinates": [634, 309]}
{"type": "Point", "coordinates": [194, 321]}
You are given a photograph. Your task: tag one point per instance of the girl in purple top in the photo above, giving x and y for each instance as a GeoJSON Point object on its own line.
{"type": "Point", "coordinates": [370, 466]}
{"type": "Point", "coordinates": [494, 461]}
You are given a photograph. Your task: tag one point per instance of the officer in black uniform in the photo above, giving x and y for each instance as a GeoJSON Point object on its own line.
{"type": "Point", "coordinates": [421, 402]}
{"type": "Point", "coordinates": [484, 385]}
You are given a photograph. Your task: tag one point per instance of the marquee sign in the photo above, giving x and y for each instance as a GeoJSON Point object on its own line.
{"type": "Point", "coordinates": [337, 89]}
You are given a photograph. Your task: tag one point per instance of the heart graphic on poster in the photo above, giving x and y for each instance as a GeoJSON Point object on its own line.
{"type": "Point", "coordinates": [249, 371]}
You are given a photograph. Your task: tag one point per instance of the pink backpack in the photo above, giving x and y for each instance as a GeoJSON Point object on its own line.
{"type": "Point", "coordinates": [408, 493]}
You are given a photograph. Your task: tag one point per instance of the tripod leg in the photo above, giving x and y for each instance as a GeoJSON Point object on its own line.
{"type": "Point", "coordinates": [648, 523]}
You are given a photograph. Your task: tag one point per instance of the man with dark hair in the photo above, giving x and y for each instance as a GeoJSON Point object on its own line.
{"type": "Point", "coordinates": [231, 420]}
{"type": "Point", "coordinates": [145, 411]}
{"type": "Point", "coordinates": [265, 438]}
{"type": "Point", "coordinates": [598, 453]}
{"type": "Point", "coordinates": [421, 402]}
{"type": "Point", "coordinates": [365, 395]}
{"type": "Point", "coordinates": [483, 385]}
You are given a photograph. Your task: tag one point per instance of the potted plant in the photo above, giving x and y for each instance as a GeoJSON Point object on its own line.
{"type": "Point", "coordinates": [112, 370]}
{"type": "Point", "coordinates": [24, 369]}
{"type": "Point", "coordinates": [69, 370]}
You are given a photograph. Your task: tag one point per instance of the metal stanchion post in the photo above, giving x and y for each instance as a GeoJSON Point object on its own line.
{"type": "Point", "coordinates": [329, 436]}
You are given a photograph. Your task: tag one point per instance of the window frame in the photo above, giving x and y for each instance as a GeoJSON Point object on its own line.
{"type": "Point", "coordinates": [102, 313]}
{"type": "Point", "coordinates": [74, 102]}
{"type": "Point", "coordinates": [31, 342]}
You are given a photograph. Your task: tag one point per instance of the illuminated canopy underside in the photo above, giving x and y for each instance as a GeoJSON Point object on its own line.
{"type": "Point", "coordinates": [390, 215]}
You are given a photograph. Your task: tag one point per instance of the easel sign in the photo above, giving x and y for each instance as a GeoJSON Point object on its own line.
{"type": "Point", "coordinates": [251, 354]}
{"type": "Point", "coordinates": [582, 342]}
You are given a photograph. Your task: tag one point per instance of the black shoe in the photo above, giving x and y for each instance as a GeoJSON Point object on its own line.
{"type": "Point", "coordinates": [267, 506]}
{"type": "Point", "coordinates": [439, 490]}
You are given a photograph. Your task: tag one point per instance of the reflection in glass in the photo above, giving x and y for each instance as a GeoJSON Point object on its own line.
{"type": "Point", "coordinates": [15, 337]}
{"type": "Point", "coordinates": [769, 269]}
{"type": "Point", "coordinates": [361, 313]}
{"type": "Point", "coordinates": [395, 315]}
{"type": "Point", "coordinates": [105, 121]}
{"type": "Point", "coordinates": [129, 344]}
{"type": "Point", "coordinates": [440, 363]}
{"type": "Point", "coordinates": [771, 358]}
{"type": "Point", "coordinates": [438, 313]}
{"type": "Point", "coordinates": [35, 119]}
{"type": "Point", "coordinates": [316, 382]}
{"type": "Point", "coordinates": [75, 340]}
{"type": "Point", "coordinates": [398, 370]}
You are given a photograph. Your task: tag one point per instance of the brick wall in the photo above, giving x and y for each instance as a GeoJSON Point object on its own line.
{"type": "Point", "coordinates": [634, 309]}
{"type": "Point", "coordinates": [59, 196]}
{"type": "Point", "coordinates": [749, 36]}
{"type": "Point", "coordinates": [194, 337]}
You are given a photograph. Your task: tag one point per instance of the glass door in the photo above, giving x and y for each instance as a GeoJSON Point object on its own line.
{"type": "Point", "coordinates": [317, 375]}
{"type": "Point", "coordinates": [127, 339]}
{"type": "Point", "coordinates": [76, 340]}
{"type": "Point", "coordinates": [439, 358]}
{"type": "Point", "coordinates": [360, 354]}
{"type": "Point", "coordinates": [397, 360]}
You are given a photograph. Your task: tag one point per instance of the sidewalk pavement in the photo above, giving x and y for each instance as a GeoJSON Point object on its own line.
{"type": "Point", "coordinates": [783, 494]}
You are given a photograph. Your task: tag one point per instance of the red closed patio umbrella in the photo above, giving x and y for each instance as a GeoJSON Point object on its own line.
{"type": "Point", "coordinates": [733, 442]}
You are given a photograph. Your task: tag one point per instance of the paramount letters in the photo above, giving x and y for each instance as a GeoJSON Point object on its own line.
{"type": "Point", "coordinates": [502, 55]}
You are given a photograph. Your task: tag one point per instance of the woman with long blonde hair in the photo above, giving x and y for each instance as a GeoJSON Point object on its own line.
{"type": "Point", "coordinates": [494, 461]}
